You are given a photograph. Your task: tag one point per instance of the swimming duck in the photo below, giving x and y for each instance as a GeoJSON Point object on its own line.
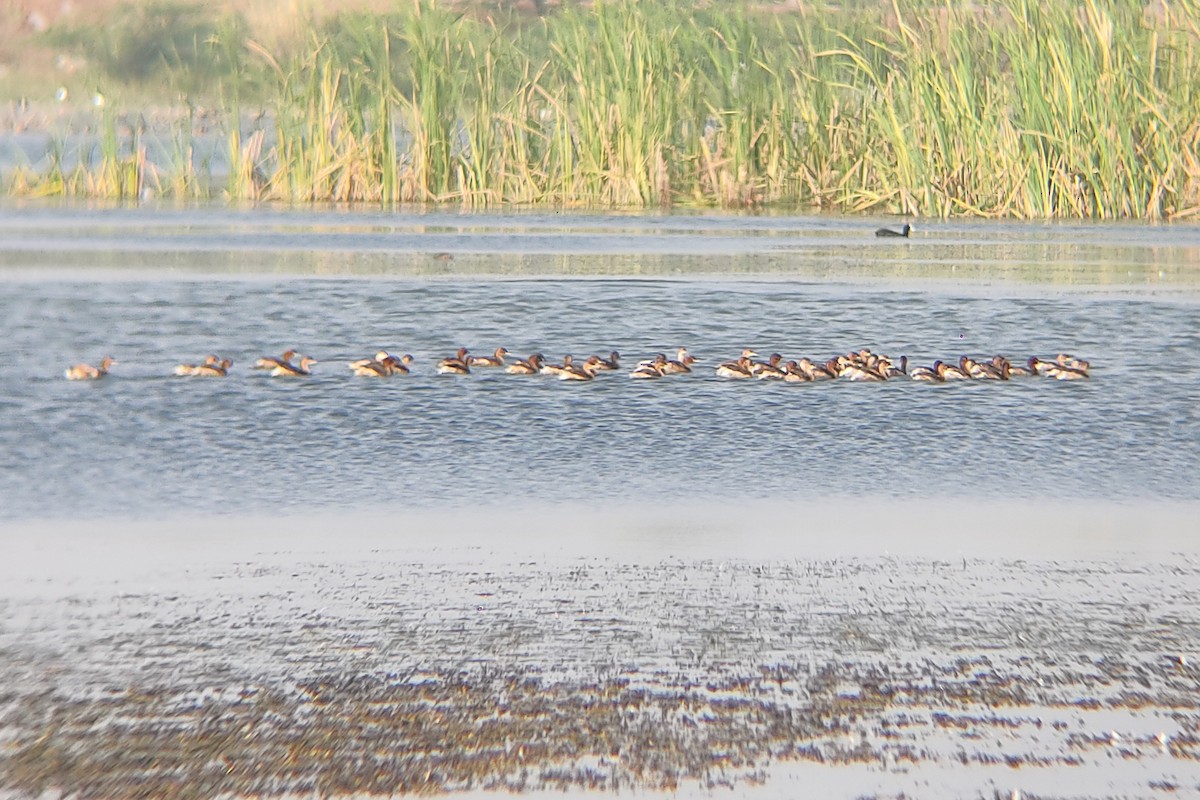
{"type": "Point", "coordinates": [949, 372]}
{"type": "Point", "coordinates": [816, 372]}
{"type": "Point", "coordinates": [681, 365]}
{"type": "Point", "coordinates": [86, 372]}
{"type": "Point", "coordinates": [863, 372]}
{"type": "Point", "coordinates": [270, 362]}
{"type": "Point", "coordinates": [526, 366]}
{"type": "Point", "coordinates": [839, 366]}
{"type": "Point", "coordinates": [649, 370]}
{"type": "Point", "coordinates": [927, 374]}
{"type": "Point", "coordinates": [907, 229]}
{"type": "Point", "coordinates": [981, 371]}
{"type": "Point", "coordinates": [658, 360]}
{"type": "Point", "coordinates": [653, 368]}
{"type": "Point", "coordinates": [399, 366]}
{"type": "Point", "coordinates": [554, 369]}
{"type": "Point", "coordinates": [579, 372]}
{"type": "Point", "coordinates": [612, 362]}
{"type": "Point", "coordinates": [454, 365]}
{"type": "Point", "coordinates": [1061, 361]}
{"type": "Point", "coordinates": [882, 366]}
{"type": "Point", "coordinates": [1063, 373]}
{"type": "Point", "coordinates": [897, 372]}
{"type": "Point", "coordinates": [371, 369]}
{"type": "Point", "coordinates": [381, 366]}
{"type": "Point", "coordinates": [217, 370]}
{"type": "Point", "coordinates": [792, 373]}
{"type": "Point", "coordinates": [863, 356]}
{"type": "Point", "coordinates": [1011, 370]}
{"type": "Point", "coordinates": [769, 369]}
{"type": "Point", "coordinates": [496, 360]}
{"type": "Point", "coordinates": [191, 369]}
{"type": "Point", "coordinates": [1038, 366]}
{"type": "Point", "coordinates": [290, 370]}
{"type": "Point", "coordinates": [736, 369]}
{"type": "Point", "coordinates": [1070, 362]}
{"type": "Point", "coordinates": [374, 366]}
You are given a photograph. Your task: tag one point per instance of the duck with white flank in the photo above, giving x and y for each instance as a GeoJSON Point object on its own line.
{"type": "Point", "coordinates": [611, 363]}
{"type": "Point", "coordinates": [982, 371]}
{"type": "Point", "coordinates": [900, 371]}
{"type": "Point", "coordinates": [1012, 370]}
{"type": "Point", "coordinates": [270, 362]}
{"type": "Point", "coordinates": [455, 364]}
{"type": "Point", "coordinates": [926, 374]}
{"type": "Point", "coordinates": [371, 367]}
{"type": "Point", "coordinates": [398, 366]}
{"type": "Point", "coordinates": [681, 364]}
{"type": "Point", "coordinates": [1070, 362]}
{"type": "Point", "coordinates": [290, 370]}
{"type": "Point", "coordinates": [495, 360]}
{"type": "Point", "coordinates": [220, 370]}
{"type": "Point", "coordinates": [579, 372]}
{"type": "Point", "coordinates": [526, 366]}
{"type": "Point", "coordinates": [649, 370]}
{"type": "Point", "coordinates": [769, 369]}
{"type": "Point", "coordinates": [793, 374]}
{"type": "Point", "coordinates": [874, 371]}
{"type": "Point", "coordinates": [86, 372]}
{"type": "Point", "coordinates": [949, 372]}
{"type": "Point", "coordinates": [1068, 369]}
{"type": "Point", "coordinates": [738, 369]}
{"type": "Point", "coordinates": [816, 372]}
{"type": "Point", "coordinates": [383, 365]}
{"type": "Point", "coordinates": [212, 367]}
{"type": "Point", "coordinates": [557, 369]}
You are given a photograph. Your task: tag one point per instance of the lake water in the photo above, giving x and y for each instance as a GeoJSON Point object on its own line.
{"type": "Point", "coordinates": [155, 287]}
{"type": "Point", "coordinates": [343, 586]}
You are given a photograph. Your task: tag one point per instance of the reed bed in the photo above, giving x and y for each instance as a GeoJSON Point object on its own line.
{"type": "Point", "coordinates": [1015, 108]}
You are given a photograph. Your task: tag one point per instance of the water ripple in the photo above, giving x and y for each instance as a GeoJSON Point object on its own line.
{"type": "Point", "coordinates": [143, 442]}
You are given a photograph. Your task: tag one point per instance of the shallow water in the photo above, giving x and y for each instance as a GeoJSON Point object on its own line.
{"type": "Point", "coordinates": [966, 654]}
{"type": "Point", "coordinates": [41, 239]}
{"type": "Point", "coordinates": [155, 288]}
{"type": "Point", "coordinates": [691, 584]}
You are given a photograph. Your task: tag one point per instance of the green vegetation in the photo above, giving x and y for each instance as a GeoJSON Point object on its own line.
{"type": "Point", "coordinates": [158, 41]}
{"type": "Point", "coordinates": [1014, 108]}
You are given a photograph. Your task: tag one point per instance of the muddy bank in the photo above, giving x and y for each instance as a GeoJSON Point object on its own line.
{"type": "Point", "coordinates": [686, 650]}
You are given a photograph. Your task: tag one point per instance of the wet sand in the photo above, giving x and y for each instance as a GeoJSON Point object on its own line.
{"type": "Point", "coordinates": [841, 650]}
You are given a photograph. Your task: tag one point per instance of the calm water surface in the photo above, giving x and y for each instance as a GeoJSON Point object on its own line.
{"type": "Point", "coordinates": [157, 287]}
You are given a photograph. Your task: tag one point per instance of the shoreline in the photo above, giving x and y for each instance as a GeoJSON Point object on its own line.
{"type": "Point", "coordinates": [677, 652]}
{"type": "Point", "coordinates": [58, 548]}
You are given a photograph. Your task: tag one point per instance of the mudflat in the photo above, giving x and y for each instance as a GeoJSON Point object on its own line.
{"type": "Point", "coordinates": [1046, 648]}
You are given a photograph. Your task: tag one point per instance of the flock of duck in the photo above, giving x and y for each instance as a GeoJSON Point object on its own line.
{"type": "Point", "coordinates": [861, 365]}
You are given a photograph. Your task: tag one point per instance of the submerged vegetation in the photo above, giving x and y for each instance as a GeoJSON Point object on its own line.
{"type": "Point", "coordinates": [1013, 108]}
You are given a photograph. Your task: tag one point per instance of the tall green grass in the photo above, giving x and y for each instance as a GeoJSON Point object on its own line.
{"type": "Point", "coordinates": [115, 167]}
{"type": "Point", "coordinates": [1016, 108]}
